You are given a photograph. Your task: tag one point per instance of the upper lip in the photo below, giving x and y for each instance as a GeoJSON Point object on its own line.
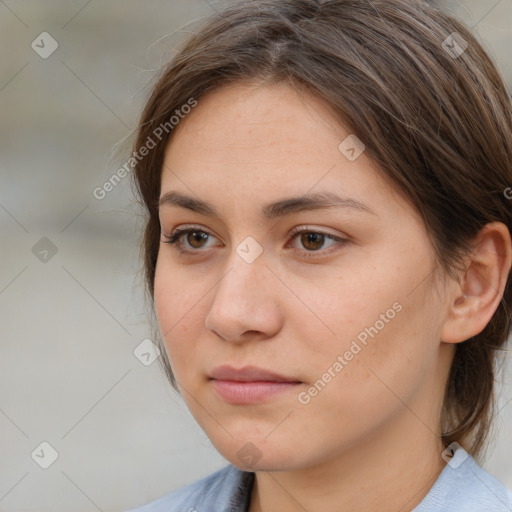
{"type": "Point", "coordinates": [247, 374]}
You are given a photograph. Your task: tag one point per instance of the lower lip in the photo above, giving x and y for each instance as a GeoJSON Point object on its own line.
{"type": "Point", "coordinates": [237, 392]}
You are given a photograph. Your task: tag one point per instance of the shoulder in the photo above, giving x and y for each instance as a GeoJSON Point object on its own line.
{"type": "Point", "coordinates": [217, 490]}
{"type": "Point", "coordinates": [464, 486]}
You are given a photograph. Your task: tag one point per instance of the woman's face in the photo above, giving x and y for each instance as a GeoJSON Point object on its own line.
{"type": "Point", "coordinates": [349, 309]}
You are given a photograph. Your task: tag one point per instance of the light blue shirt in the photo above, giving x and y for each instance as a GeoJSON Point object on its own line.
{"type": "Point", "coordinates": [462, 486]}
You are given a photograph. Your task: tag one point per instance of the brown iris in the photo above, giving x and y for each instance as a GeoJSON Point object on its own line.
{"type": "Point", "coordinates": [310, 240]}
{"type": "Point", "coordinates": [196, 236]}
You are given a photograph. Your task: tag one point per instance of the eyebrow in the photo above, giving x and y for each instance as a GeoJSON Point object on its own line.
{"type": "Point", "coordinates": [281, 208]}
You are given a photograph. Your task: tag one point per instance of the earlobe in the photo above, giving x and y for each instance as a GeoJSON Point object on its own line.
{"type": "Point", "coordinates": [473, 302]}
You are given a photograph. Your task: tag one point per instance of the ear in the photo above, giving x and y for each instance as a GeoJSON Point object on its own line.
{"type": "Point", "coordinates": [474, 301]}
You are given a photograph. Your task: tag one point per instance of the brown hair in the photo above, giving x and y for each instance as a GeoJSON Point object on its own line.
{"type": "Point", "coordinates": [438, 123]}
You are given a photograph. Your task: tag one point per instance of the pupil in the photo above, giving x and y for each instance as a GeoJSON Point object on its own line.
{"type": "Point", "coordinates": [312, 237]}
{"type": "Point", "coordinates": [197, 236]}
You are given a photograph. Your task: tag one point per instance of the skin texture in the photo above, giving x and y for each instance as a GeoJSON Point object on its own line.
{"type": "Point", "coordinates": [370, 438]}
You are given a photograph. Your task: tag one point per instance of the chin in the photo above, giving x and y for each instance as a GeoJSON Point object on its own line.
{"type": "Point", "coordinates": [258, 455]}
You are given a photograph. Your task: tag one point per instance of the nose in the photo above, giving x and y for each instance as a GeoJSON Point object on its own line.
{"type": "Point", "coordinates": [246, 303]}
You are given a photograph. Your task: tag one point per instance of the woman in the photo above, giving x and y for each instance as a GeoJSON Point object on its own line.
{"type": "Point", "coordinates": [328, 254]}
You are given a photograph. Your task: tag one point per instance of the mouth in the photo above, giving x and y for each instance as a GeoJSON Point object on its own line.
{"type": "Point", "coordinates": [249, 384]}
{"type": "Point", "coordinates": [249, 392]}
{"type": "Point", "coordinates": [248, 374]}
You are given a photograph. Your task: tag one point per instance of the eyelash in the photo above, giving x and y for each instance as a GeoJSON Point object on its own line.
{"type": "Point", "coordinates": [174, 240]}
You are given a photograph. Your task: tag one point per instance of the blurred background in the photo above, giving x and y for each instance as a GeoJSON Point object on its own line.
{"type": "Point", "coordinates": [87, 419]}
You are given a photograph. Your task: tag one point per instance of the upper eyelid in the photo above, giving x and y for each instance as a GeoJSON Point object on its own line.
{"type": "Point", "coordinates": [183, 229]}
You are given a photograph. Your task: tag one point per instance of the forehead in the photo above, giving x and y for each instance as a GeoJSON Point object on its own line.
{"type": "Point", "coordinates": [256, 143]}
{"type": "Point", "coordinates": [247, 120]}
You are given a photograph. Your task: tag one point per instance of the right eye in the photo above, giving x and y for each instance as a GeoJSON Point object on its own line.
{"type": "Point", "coordinates": [192, 236]}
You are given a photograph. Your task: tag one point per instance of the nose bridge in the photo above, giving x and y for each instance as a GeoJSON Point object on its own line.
{"type": "Point", "coordinates": [245, 274]}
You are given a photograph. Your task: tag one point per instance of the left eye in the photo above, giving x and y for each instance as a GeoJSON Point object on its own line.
{"type": "Point", "coordinates": [311, 240]}
{"type": "Point", "coordinates": [314, 240]}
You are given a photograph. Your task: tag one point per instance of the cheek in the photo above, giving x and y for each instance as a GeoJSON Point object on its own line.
{"type": "Point", "coordinates": [344, 306]}
{"type": "Point", "coordinates": [375, 378]}
{"type": "Point", "coordinates": [177, 312]}
{"type": "Point", "coordinates": [378, 316]}
{"type": "Point", "coordinates": [165, 299]}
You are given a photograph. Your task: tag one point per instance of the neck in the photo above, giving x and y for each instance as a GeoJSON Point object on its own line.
{"type": "Point", "coordinates": [392, 472]}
